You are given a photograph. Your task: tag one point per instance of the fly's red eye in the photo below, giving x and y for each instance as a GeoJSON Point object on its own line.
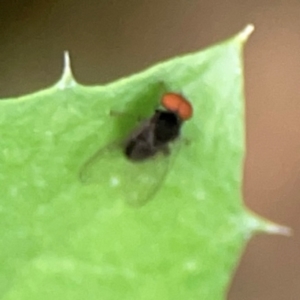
{"type": "Point", "coordinates": [177, 104]}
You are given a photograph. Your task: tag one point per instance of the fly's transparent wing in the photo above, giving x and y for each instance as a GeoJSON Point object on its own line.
{"type": "Point", "coordinates": [133, 182]}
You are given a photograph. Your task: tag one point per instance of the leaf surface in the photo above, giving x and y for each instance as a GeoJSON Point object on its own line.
{"type": "Point", "coordinates": [64, 239]}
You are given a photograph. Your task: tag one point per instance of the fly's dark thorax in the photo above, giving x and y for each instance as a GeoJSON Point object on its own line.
{"type": "Point", "coordinates": [167, 127]}
{"type": "Point", "coordinates": [153, 136]}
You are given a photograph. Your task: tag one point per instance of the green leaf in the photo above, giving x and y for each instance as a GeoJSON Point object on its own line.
{"type": "Point", "coordinates": [64, 239]}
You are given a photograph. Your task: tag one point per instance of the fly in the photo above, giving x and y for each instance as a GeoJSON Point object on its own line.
{"type": "Point", "coordinates": [136, 167]}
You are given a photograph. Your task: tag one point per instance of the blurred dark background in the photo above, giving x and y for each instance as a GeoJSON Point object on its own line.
{"type": "Point", "coordinates": [110, 39]}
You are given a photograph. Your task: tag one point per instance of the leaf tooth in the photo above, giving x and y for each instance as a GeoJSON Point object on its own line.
{"type": "Point", "coordinates": [67, 79]}
{"type": "Point", "coordinates": [243, 36]}
{"type": "Point", "coordinates": [257, 224]}
{"type": "Point", "coordinates": [273, 228]}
